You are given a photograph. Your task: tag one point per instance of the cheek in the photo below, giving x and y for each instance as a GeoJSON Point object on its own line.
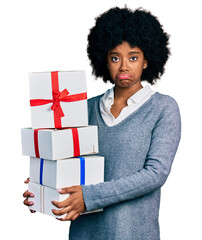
{"type": "Point", "coordinates": [113, 69]}
{"type": "Point", "coordinates": [138, 68]}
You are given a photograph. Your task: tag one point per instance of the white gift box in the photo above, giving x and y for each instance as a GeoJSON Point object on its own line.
{"type": "Point", "coordinates": [67, 172]}
{"type": "Point", "coordinates": [56, 144]}
{"type": "Point", "coordinates": [43, 196]}
{"type": "Point", "coordinates": [44, 90]}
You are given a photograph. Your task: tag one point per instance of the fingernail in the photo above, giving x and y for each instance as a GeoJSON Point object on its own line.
{"type": "Point", "coordinates": [31, 203]}
{"type": "Point", "coordinates": [60, 190]}
{"type": "Point", "coordinates": [31, 195]}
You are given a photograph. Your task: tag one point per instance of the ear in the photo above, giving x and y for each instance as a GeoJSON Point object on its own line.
{"type": "Point", "coordinates": [145, 64]}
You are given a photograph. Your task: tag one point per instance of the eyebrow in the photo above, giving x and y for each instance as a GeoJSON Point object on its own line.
{"type": "Point", "coordinates": [117, 53]}
{"type": "Point", "coordinates": [113, 53]}
{"type": "Point", "coordinates": [134, 52]}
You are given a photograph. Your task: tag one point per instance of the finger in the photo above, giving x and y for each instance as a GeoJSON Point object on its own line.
{"type": "Point", "coordinates": [61, 204]}
{"type": "Point", "coordinates": [61, 211]}
{"type": "Point", "coordinates": [28, 194]}
{"type": "Point", "coordinates": [63, 190]}
{"type": "Point", "coordinates": [27, 181]}
{"type": "Point", "coordinates": [32, 211]}
{"type": "Point", "coordinates": [67, 217]}
{"type": "Point", "coordinates": [75, 216]}
{"type": "Point", "coordinates": [70, 215]}
{"type": "Point", "coordinates": [28, 203]}
{"type": "Point", "coordinates": [68, 189]}
{"type": "Point", "coordinates": [55, 203]}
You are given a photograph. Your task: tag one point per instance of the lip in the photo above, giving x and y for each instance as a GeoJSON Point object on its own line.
{"type": "Point", "coordinates": [123, 76]}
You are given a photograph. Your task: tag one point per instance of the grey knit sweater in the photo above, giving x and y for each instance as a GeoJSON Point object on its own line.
{"type": "Point", "coordinates": [138, 152]}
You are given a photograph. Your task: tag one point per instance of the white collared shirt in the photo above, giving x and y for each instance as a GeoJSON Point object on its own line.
{"type": "Point", "coordinates": [133, 103]}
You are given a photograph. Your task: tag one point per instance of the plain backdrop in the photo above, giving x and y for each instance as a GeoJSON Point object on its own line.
{"type": "Point", "coordinates": [47, 35]}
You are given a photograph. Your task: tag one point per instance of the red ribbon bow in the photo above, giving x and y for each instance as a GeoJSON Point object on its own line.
{"type": "Point", "coordinates": [58, 97]}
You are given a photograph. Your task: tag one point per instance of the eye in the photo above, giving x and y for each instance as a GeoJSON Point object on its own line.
{"type": "Point", "coordinates": [115, 59]}
{"type": "Point", "coordinates": [133, 58]}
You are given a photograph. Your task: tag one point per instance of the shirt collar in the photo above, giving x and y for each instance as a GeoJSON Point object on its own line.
{"type": "Point", "coordinates": [108, 97]}
{"type": "Point", "coordinates": [138, 96]}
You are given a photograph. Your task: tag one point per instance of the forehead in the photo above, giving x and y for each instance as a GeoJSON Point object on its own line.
{"type": "Point", "coordinates": [125, 47]}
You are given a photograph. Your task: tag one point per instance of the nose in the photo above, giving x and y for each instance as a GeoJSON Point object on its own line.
{"type": "Point", "coordinates": [124, 65]}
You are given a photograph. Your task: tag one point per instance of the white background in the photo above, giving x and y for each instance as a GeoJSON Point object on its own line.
{"type": "Point", "coordinates": [46, 35]}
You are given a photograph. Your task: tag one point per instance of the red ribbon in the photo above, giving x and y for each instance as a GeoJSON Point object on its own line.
{"type": "Point", "coordinates": [58, 97]}
{"type": "Point", "coordinates": [36, 143]}
{"type": "Point", "coordinates": [76, 142]}
{"type": "Point", "coordinates": [75, 136]}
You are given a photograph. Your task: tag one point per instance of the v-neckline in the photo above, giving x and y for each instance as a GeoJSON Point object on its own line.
{"type": "Point", "coordinates": [101, 120]}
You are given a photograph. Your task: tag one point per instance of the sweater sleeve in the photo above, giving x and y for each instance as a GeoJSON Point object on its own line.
{"type": "Point", "coordinates": [164, 143]}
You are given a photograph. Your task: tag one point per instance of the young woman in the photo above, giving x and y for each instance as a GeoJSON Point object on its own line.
{"type": "Point", "coordinates": [139, 131]}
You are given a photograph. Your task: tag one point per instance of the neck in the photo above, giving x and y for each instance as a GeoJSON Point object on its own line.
{"type": "Point", "coordinates": [124, 94]}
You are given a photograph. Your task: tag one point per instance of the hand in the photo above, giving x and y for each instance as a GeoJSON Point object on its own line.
{"type": "Point", "coordinates": [27, 194]}
{"type": "Point", "coordinates": [73, 206]}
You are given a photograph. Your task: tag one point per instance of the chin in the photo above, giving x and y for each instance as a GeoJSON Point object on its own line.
{"type": "Point", "coordinates": [125, 84]}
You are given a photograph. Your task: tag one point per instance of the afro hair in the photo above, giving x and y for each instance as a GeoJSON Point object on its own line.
{"type": "Point", "coordinates": [139, 28]}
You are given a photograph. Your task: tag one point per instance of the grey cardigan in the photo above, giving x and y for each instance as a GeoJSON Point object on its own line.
{"type": "Point", "coordinates": [138, 152]}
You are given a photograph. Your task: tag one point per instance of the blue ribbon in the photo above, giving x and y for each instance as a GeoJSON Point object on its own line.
{"type": "Point", "coordinates": [82, 171]}
{"type": "Point", "coordinates": [41, 171]}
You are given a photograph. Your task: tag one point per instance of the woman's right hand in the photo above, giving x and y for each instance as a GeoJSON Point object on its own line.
{"type": "Point", "coordinates": [27, 194]}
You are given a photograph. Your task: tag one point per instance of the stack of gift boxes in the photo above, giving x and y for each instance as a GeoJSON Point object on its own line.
{"type": "Point", "coordinates": [60, 143]}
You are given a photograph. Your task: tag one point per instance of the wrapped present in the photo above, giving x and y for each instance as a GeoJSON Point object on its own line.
{"type": "Point", "coordinates": [43, 196]}
{"type": "Point", "coordinates": [56, 144]}
{"type": "Point", "coordinates": [67, 172]}
{"type": "Point", "coordinates": [58, 99]}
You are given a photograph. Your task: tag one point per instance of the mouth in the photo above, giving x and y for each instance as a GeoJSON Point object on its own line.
{"type": "Point", "coordinates": [123, 76]}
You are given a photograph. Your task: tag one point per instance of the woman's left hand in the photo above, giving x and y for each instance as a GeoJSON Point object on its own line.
{"type": "Point", "coordinates": [73, 206]}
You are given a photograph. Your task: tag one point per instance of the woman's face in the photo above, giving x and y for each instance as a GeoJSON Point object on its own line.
{"type": "Point", "coordinates": [125, 64]}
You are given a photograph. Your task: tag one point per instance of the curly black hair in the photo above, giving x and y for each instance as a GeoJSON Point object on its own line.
{"type": "Point", "coordinates": [139, 28]}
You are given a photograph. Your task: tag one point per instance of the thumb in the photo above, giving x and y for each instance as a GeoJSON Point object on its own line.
{"type": "Point", "coordinates": [70, 190]}
{"type": "Point", "coordinates": [63, 190]}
